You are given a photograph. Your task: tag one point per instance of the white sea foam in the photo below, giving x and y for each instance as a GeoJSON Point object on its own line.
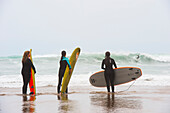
{"type": "Point", "coordinates": [46, 56]}
{"type": "Point", "coordinates": [152, 80]}
{"type": "Point", "coordinates": [162, 58]}
{"type": "Point", "coordinates": [11, 81]}
{"type": "Point", "coordinates": [156, 68]}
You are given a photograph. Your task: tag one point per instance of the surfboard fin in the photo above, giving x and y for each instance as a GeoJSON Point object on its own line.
{"type": "Point", "coordinates": [31, 93]}
{"type": "Point", "coordinates": [133, 78]}
{"type": "Point", "coordinates": [136, 72]}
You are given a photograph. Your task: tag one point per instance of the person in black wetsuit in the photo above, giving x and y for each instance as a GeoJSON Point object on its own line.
{"type": "Point", "coordinates": [26, 70]}
{"type": "Point", "coordinates": [63, 64]}
{"type": "Point", "coordinates": [107, 65]}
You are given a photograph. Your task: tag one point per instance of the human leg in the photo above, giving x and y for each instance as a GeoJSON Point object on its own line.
{"type": "Point", "coordinates": [59, 84]}
{"type": "Point", "coordinates": [111, 76]}
{"type": "Point", "coordinates": [107, 81]}
{"type": "Point", "coordinates": [67, 90]}
{"type": "Point", "coordinates": [25, 83]}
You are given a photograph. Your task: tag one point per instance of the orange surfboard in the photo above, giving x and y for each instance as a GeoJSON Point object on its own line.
{"type": "Point", "coordinates": [32, 79]}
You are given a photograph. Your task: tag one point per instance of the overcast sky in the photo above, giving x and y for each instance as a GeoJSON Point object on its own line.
{"type": "Point", "coordinates": [49, 26]}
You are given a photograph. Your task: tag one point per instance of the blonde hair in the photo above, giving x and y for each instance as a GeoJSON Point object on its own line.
{"type": "Point", "coordinates": [25, 56]}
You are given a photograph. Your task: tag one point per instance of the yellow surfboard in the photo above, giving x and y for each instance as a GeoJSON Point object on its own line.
{"type": "Point", "coordinates": [72, 60]}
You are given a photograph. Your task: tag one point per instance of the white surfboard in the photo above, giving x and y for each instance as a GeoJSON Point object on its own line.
{"type": "Point", "coordinates": [122, 75]}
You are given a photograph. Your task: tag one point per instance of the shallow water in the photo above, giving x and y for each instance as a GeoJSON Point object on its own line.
{"type": "Point", "coordinates": [99, 102]}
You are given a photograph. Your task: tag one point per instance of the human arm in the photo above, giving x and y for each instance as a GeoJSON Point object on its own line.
{"type": "Point", "coordinates": [114, 63]}
{"type": "Point", "coordinates": [102, 65]}
{"type": "Point", "coordinates": [32, 66]}
{"type": "Point", "coordinates": [68, 63]}
{"type": "Point", "coordinates": [69, 66]}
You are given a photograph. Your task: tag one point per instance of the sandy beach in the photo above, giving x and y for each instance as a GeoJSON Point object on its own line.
{"type": "Point", "coordinates": [136, 33]}
{"type": "Point", "coordinates": [136, 100]}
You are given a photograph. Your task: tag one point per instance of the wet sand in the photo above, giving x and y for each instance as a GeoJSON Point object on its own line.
{"type": "Point", "coordinates": [87, 100]}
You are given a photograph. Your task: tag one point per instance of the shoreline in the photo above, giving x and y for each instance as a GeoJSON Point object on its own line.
{"type": "Point", "coordinates": [137, 99]}
{"type": "Point", "coordinates": [88, 89]}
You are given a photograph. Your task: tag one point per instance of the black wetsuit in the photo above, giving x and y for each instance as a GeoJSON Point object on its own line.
{"type": "Point", "coordinates": [26, 73]}
{"type": "Point", "coordinates": [109, 72]}
{"type": "Point", "coordinates": [63, 64]}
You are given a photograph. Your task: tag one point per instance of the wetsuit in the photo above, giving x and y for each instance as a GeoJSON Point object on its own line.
{"type": "Point", "coordinates": [26, 73]}
{"type": "Point", "coordinates": [109, 72]}
{"type": "Point", "coordinates": [63, 64]}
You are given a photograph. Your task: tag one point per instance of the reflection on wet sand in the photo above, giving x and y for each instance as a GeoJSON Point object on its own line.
{"type": "Point", "coordinates": [65, 104]}
{"type": "Point", "coordinates": [28, 105]}
{"type": "Point", "coordinates": [63, 97]}
{"type": "Point", "coordinates": [111, 102]}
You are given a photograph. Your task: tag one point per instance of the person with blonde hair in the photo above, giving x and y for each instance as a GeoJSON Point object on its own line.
{"type": "Point", "coordinates": [26, 70]}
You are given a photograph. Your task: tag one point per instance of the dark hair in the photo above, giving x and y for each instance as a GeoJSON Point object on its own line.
{"type": "Point", "coordinates": [107, 54]}
{"type": "Point", "coordinates": [63, 53]}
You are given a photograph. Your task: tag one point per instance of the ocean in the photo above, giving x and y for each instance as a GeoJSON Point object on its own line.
{"type": "Point", "coordinates": [155, 69]}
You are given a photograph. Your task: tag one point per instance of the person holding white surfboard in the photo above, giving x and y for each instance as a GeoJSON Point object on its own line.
{"type": "Point", "coordinates": [63, 64]}
{"type": "Point", "coordinates": [107, 65]}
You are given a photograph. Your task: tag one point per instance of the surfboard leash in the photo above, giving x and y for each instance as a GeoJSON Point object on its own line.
{"type": "Point", "coordinates": [128, 87]}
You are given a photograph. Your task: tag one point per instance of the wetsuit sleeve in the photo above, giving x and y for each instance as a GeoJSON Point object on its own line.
{"type": "Point", "coordinates": [32, 66]}
{"type": "Point", "coordinates": [114, 63]}
{"type": "Point", "coordinates": [68, 63]}
{"type": "Point", "coordinates": [102, 65]}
